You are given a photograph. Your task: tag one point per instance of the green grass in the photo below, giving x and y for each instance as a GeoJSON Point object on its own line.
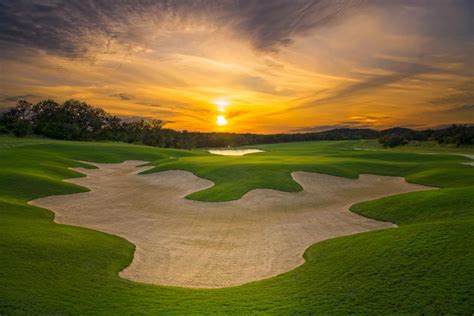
{"type": "Point", "coordinates": [234, 176]}
{"type": "Point", "coordinates": [426, 266]}
{"type": "Point", "coordinates": [419, 146]}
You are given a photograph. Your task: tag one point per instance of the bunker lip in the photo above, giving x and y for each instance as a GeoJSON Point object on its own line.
{"type": "Point", "coordinates": [234, 152]}
{"type": "Point", "coordinates": [194, 244]}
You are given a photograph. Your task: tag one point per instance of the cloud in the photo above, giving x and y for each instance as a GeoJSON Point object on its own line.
{"type": "Point", "coordinates": [160, 112]}
{"type": "Point", "coordinates": [235, 114]}
{"type": "Point", "coordinates": [399, 71]}
{"type": "Point", "coordinates": [256, 83]}
{"type": "Point", "coordinates": [270, 24]}
{"type": "Point", "coordinates": [123, 96]}
{"type": "Point", "coordinates": [171, 121]}
{"type": "Point", "coordinates": [460, 94]}
{"type": "Point", "coordinates": [321, 128]}
{"type": "Point", "coordinates": [80, 28]}
{"type": "Point", "coordinates": [366, 83]}
{"type": "Point", "coordinates": [15, 98]}
{"type": "Point", "coordinates": [467, 109]}
{"type": "Point", "coordinates": [363, 121]}
{"type": "Point", "coordinates": [331, 59]}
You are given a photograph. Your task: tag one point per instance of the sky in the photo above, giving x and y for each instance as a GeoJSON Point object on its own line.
{"type": "Point", "coordinates": [262, 66]}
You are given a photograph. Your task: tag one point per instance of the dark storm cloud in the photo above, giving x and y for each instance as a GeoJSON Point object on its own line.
{"type": "Point", "coordinates": [70, 28]}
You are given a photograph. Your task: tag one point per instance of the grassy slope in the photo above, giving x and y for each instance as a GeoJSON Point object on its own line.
{"type": "Point", "coordinates": [418, 146]}
{"type": "Point", "coordinates": [234, 176]}
{"type": "Point", "coordinates": [425, 266]}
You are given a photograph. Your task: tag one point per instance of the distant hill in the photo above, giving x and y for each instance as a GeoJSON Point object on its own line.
{"type": "Point", "coordinates": [350, 133]}
{"type": "Point", "coordinates": [397, 130]}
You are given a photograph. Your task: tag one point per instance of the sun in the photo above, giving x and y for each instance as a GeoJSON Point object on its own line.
{"type": "Point", "coordinates": [221, 120]}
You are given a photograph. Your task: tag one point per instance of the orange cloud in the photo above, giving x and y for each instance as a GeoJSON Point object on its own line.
{"type": "Point", "coordinates": [275, 75]}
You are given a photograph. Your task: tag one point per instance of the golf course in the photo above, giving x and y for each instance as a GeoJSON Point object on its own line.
{"type": "Point", "coordinates": [236, 157]}
{"type": "Point", "coordinates": [353, 228]}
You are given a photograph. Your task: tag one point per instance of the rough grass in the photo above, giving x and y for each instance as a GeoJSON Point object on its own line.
{"type": "Point", "coordinates": [426, 266]}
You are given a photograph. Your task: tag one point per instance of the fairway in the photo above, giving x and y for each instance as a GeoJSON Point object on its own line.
{"type": "Point", "coordinates": [423, 266]}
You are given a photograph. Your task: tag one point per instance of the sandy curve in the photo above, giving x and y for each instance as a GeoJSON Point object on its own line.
{"type": "Point", "coordinates": [188, 243]}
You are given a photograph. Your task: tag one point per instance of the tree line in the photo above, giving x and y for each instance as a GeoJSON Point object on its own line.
{"type": "Point", "coordinates": [76, 120]}
{"type": "Point", "coordinates": [459, 135]}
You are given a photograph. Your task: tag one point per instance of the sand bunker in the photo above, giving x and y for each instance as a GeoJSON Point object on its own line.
{"type": "Point", "coordinates": [235, 152]}
{"type": "Point", "coordinates": [470, 157]}
{"type": "Point", "coordinates": [203, 244]}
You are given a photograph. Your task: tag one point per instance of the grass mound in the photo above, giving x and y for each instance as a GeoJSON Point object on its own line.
{"type": "Point", "coordinates": [423, 267]}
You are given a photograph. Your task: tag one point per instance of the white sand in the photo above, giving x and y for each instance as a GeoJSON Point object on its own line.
{"type": "Point", "coordinates": [470, 157]}
{"type": "Point", "coordinates": [203, 244]}
{"type": "Point", "coordinates": [234, 152]}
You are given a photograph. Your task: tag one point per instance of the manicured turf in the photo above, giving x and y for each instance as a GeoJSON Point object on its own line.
{"type": "Point", "coordinates": [426, 266]}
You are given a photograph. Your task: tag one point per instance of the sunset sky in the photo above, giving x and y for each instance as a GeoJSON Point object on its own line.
{"type": "Point", "coordinates": [263, 66]}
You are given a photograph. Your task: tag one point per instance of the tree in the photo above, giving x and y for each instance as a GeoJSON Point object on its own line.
{"type": "Point", "coordinates": [19, 119]}
{"type": "Point", "coordinates": [392, 141]}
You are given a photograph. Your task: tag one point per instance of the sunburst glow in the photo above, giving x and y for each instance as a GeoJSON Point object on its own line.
{"type": "Point", "coordinates": [221, 104]}
{"type": "Point", "coordinates": [221, 120]}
